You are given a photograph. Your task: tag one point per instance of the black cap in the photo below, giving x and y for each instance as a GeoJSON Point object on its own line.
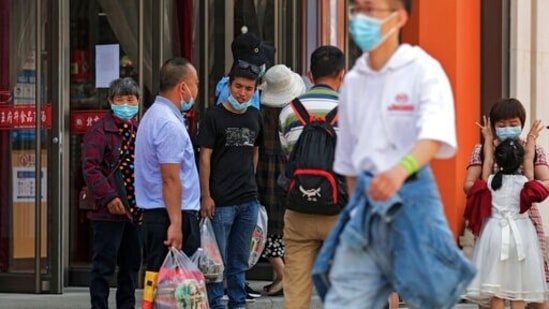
{"type": "Point", "coordinates": [249, 48]}
{"type": "Point", "coordinates": [269, 51]}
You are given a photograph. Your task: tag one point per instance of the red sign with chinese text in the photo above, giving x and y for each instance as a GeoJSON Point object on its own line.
{"type": "Point", "coordinates": [82, 121]}
{"type": "Point", "coordinates": [23, 116]}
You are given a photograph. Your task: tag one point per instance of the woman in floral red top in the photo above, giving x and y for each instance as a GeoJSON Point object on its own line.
{"type": "Point", "coordinates": [506, 120]}
{"type": "Point", "coordinates": [107, 165]}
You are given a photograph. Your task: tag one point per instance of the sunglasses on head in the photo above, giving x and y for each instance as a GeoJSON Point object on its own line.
{"type": "Point", "coordinates": [246, 65]}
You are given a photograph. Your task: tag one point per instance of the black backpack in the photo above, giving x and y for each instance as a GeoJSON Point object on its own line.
{"type": "Point", "coordinates": [311, 184]}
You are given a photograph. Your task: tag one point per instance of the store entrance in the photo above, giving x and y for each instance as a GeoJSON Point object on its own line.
{"type": "Point", "coordinates": [30, 143]}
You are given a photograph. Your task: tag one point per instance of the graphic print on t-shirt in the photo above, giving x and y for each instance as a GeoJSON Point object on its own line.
{"type": "Point", "coordinates": [239, 137]}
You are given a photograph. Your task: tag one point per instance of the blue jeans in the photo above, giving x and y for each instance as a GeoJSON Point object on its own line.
{"type": "Point", "coordinates": [233, 227]}
{"type": "Point", "coordinates": [115, 243]}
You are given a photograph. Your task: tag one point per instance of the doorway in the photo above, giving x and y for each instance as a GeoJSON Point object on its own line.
{"type": "Point", "coordinates": [30, 146]}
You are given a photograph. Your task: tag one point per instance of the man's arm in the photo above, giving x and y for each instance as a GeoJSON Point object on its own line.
{"type": "Point", "coordinates": [208, 205]}
{"type": "Point", "coordinates": [172, 193]}
{"type": "Point", "coordinates": [424, 151]}
{"type": "Point", "coordinates": [385, 184]}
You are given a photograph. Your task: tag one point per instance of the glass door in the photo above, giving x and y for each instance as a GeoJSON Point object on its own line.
{"type": "Point", "coordinates": [110, 28]}
{"type": "Point", "coordinates": [30, 252]}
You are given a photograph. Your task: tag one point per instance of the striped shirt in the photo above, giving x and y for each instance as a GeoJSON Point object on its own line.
{"type": "Point", "coordinates": [319, 101]}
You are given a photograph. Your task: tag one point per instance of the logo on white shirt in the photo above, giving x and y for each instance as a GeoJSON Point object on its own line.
{"type": "Point", "coordinates": [401, 104]}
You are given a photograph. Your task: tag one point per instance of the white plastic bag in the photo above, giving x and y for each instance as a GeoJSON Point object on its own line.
{"type": "Point", "coordinates": [180, 284]}
{"type": "Point", "coordinates": [259, 237]}
{"type": "Point", "coordinates": [208, 258]}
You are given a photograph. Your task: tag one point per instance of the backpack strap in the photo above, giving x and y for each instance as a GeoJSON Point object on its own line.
{"type": "Point", "coordinates": [304, 116]}
{"type": "Point", "coordinates": [332, 116]}
{"type": "Point", "coordinates": [300, 111]}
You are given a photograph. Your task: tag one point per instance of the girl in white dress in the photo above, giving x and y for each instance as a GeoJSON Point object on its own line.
{"type": "Point", "coordinates": [507, 254]}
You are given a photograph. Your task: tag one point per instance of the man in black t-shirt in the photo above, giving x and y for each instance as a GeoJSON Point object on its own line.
{"type": "Point", "coordinates": [229, 136]}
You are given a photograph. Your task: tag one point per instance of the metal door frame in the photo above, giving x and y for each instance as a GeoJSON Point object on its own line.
{"type": "Point", "coordinates": [59, 149]}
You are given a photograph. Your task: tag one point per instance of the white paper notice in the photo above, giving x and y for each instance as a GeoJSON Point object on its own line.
{"type": "Point", "coordinates": [106, 64]}
{"type": "Point", "coordinates": [24, 184]}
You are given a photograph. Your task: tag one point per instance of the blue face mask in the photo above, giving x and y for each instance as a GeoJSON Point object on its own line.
{"type": "Point", "coordinates": [262, 70]}
{"type": "Point", "coordinates": [366, 31]}
{"type": "Point", "coordinates": [124, 111]}
{"type": "Point", "coordinates": [508, 132]}
{"type": "Point", "coordinates": [186, 105]}
{"type": "Point", "coordinates": [237, 106]}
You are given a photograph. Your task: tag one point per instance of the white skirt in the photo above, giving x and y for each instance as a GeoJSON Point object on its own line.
{"type": "Point", "coordinates": [502, 274]}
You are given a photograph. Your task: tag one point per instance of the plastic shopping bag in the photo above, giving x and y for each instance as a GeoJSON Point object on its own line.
{"type": "Point", "coordinates": [180, 284]}
{"type": "Point", "coordinates": [208, 258]}
{"type": "Point", "coordinates": [259, 237]}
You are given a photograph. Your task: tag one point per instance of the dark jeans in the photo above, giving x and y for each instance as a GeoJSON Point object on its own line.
{"type": "Point", "coordinates": [155, 229]}
{"type": "Point", "coordinates": [115, 243]}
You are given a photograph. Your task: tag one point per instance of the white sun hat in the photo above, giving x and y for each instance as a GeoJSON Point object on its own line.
{"type": "Point", "coordinates": [281, 86]}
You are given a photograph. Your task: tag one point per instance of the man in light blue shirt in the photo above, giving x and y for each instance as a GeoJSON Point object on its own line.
{"type": "Point", "coordinates": [166, 178]}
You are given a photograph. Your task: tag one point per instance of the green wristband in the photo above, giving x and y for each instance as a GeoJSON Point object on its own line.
{"type": "Point", "coordinates": [409, 163]}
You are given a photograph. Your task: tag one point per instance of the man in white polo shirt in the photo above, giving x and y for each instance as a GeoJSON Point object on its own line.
{"type": "Point", "coordinates": [166, 178]}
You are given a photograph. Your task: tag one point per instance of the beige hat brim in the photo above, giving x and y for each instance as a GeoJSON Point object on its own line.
{"type": "Point", "coordinates": [280, 99]}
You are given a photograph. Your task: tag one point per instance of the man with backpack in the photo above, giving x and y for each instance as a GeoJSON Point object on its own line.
{"type": "Point", "coordinates": [314, 193]}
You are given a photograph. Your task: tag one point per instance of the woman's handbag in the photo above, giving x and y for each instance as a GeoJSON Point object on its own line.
{"type": "Point", "coordinates": [86, 200]}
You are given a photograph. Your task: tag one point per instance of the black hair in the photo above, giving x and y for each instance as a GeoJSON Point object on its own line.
{"type": "Point", "coordinates": [124, 86]}
{"type": "Point", "coordinates": [509, 155]}
{"type": "Point", "coordinates": [240, 71]}
{"type": "Point", "coordinates": [407, 4]}
{"type": "Point", "coordinates": [507, 108]}
{"type": "Point", "coordinates": [327, 61]}
{"type": "Point", "coordinates": [173, 71]}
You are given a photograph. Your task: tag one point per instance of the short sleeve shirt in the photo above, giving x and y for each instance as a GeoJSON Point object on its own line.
{"type": "Point", "coordinates": [164, 140]}
{"type": "Point", "coordinates": [232, 138]}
